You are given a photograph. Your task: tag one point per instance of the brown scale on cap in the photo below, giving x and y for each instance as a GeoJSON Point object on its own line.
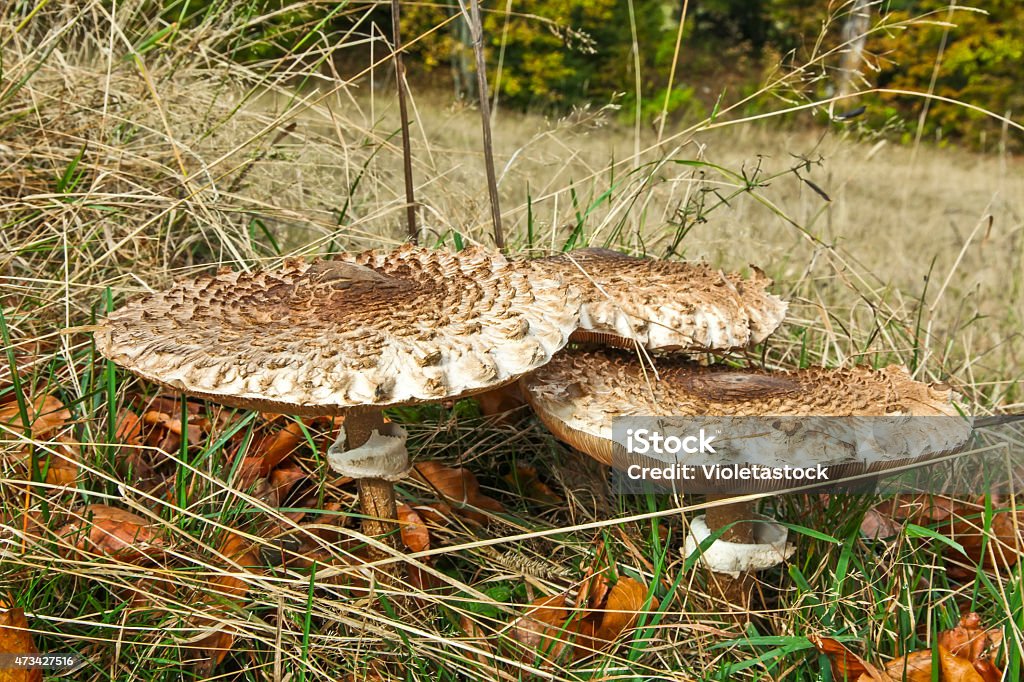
{"type": "Point", "coordinates": [372, 329]}
{"type": "Point", "coordinates": [579, 393]}
{"type": "Point", "coordinates": [665, 304]}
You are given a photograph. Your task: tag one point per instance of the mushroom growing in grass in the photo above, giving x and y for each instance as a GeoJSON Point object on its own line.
{"type": "Point", "coordinates": [665, 305]}
{"type": "Point", "coordinates": [579, 393]}
{"type": "Point", "coordinates": [350, 336]}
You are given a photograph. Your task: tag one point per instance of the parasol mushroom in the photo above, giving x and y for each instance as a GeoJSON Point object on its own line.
{"type": "Point", "coordinates": [579, 393]}
{"type": "Point", "coordinates": [665, 305]}
{"type": "Point", "coordinates": [350, 336]}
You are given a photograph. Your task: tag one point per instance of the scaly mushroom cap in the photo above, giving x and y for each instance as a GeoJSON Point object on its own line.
{"type": "Point", "coordinates": [665, 304]}
{"type": "Point", "coordinates": [373, 329]}
{"type": "Point", "coordinates": [578, 394]}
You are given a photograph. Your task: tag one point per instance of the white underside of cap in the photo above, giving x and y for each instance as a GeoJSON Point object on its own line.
{"type": "Point", "coordinates": [383, 455]}
{"type": "Point", "coordinates": [733, 558]}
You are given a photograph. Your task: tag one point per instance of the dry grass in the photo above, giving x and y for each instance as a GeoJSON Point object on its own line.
{"type": "Point", "coordinates": [125, 173]}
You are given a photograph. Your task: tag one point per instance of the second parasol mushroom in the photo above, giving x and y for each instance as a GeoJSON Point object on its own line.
{"type": "Point", "coordinates": [578, 395]}
{"type": "Point", "coordinates": [352, 337]}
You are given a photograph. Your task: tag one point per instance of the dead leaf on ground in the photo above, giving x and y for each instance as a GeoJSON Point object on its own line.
{"type": "Point", "coordinates": [416, 538]}
{"type": "Point", "coordinates": [15, 638]}
{"type": "Point", "coordinates": [226, 591]}
{"type": "Point", "coordinates": [501, 403]}
{"type": "Point", "coordinates": [526, 479]}
{"type": "Point", "coordinates": [965, 654]}
{"type": "Point", "coordinates": [132, 460]}
{"type": "Point", "coordinates": [129, 428]}
{"type": "Point", "coordinates": [541, 628]}
{"type": "Point", "coordinates": [166, 431]}
{"type": "Point", "coordinates": [915, 667]}
{"type": "Point", "coordinates": [846, 665]}
{"type": "Point", "coordinates": [888, 517]}
{"type": "Point", "coordinates": [274, 489]}
{"type": "Point", "coordinates": [115, 533]}
{"type": "Point", "coordinates": [415, 535]}
{"type": "Point", "coordinates": [957, 669]}
{"type": "Point", "coordinates": [549, 626]}
{"type": "Point", "coordinates": [988, 671]}
{"type": "Point", "coordinates": [970, 640]}
{"type": "Point", "coordinates": [961, 521]}
{"type": "Point", "coordinates": [46, 414]}
{"type": "Point", "coordinates": [620, 611]}
{"type": "Point", "coordinates": [268, 452]}
{"type": "Point", "coordinates": [460, 486]}
{"type": "Point", "coordinates": [1001, 546]}
{"type": "Point", "coordinates": [481, 639]}
{"type": "Point", "coordinates": [62, 467]}
{"type": "Point", "coordinates": [59, 466]}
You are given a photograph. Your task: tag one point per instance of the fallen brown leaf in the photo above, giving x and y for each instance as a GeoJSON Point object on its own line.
{"type": "Point", "coordinates": [60, 466]}
{"type": "Point", "coordinates": [115, 533]}
{"type": "Point", "coordinates": [549, 626]}
{"type": "Point", "coordinates": [961, 521]}
{"type": "Point", "coordinates": [15, 638]}
{"type": "Point", "coordinates": [46, 414]}
{"type": "Point", "coordinates": [970, 640]}
{"type": "Point", "coordinates": [416, 538]}
{"type": "Point", "coordinates": [415, 535]}
{"type": "Point", "coordinates": [621, 609]}
{"type": "Point", "coordinates": [846, 665]}
{"type": "Point", "coordinates": [273, 489]}
{"type": "Point", "coordinates": [888, 517]}
{"type": "Point", "coordinates": [1003, 545]}
{"type": "Point", "coordinates": [914, 667]}
{"type": "Point", "coordinates": [167, 431]}
{"type": "Point", "coordinates": [956, 669]}
{"type": "Point", "coordinates": [540, 629]}
{"type": "Point", "coordinates": [225, 590]}
{"type": "Point", "coordinates": [269, 452]}
{"type": "Point", "coordinates": [594, 589]}
{"type": "Point", "coordinates": [616, 612]}
{"type": "Point", "coordinates": [460, 486]}
{"type": "Point", "coordinates": [988, 671]}
{"type": "Point", "coordinates": [481, 638]}
{"type": "Point", "coordinates": [526, 479]}
{"type": "Point", "coordinates": [129, 428]}
{"type": "Point", "coordinates": [501, 402]}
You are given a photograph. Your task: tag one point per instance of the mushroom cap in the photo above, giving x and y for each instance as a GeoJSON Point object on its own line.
{"type": "Point", "coordinates": [371, 329]}
{"type": "Point", "coordinates": [579, 393]}
{"type": "Point", "coordinates": [666, 304]}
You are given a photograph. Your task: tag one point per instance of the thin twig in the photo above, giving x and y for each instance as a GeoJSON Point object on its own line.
{"type": "Point", "coordinates": [476, 27]}
{"type": "Point", "coordinates": [410, 197]}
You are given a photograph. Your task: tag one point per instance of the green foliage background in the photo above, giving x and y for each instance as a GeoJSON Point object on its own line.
{"type": "Point", "coordinates": [981, 64]}
{"type": "Point", "coordinates": [550, 55]}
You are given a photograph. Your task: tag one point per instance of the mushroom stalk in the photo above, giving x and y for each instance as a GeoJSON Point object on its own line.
{"type": "Point", "coordinates": [735, 590]}
{"type": "Point", "coordinates": [376, 495]}
{"type": "Point", "coordinates": [739, 514]}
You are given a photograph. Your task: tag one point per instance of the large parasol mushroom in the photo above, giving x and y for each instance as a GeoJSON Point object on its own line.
{"type": "Point", "coordinates": [579, 393]}
{"type": "Point", "coordinates": [352, 337]}
{"type": "Point", "coordinates": [665, 305]}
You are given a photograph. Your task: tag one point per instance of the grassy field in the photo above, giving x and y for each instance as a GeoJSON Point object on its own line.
{"type": "Point", "coordinates": [120, 173]}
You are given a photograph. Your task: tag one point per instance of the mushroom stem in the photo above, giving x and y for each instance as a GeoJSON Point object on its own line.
{"type": "Point", "coordinates": [740, 514]}
{"type": "Point", "coordinates": [738, 591]}
{"type": "Point", "coordinates": [376, 496]}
